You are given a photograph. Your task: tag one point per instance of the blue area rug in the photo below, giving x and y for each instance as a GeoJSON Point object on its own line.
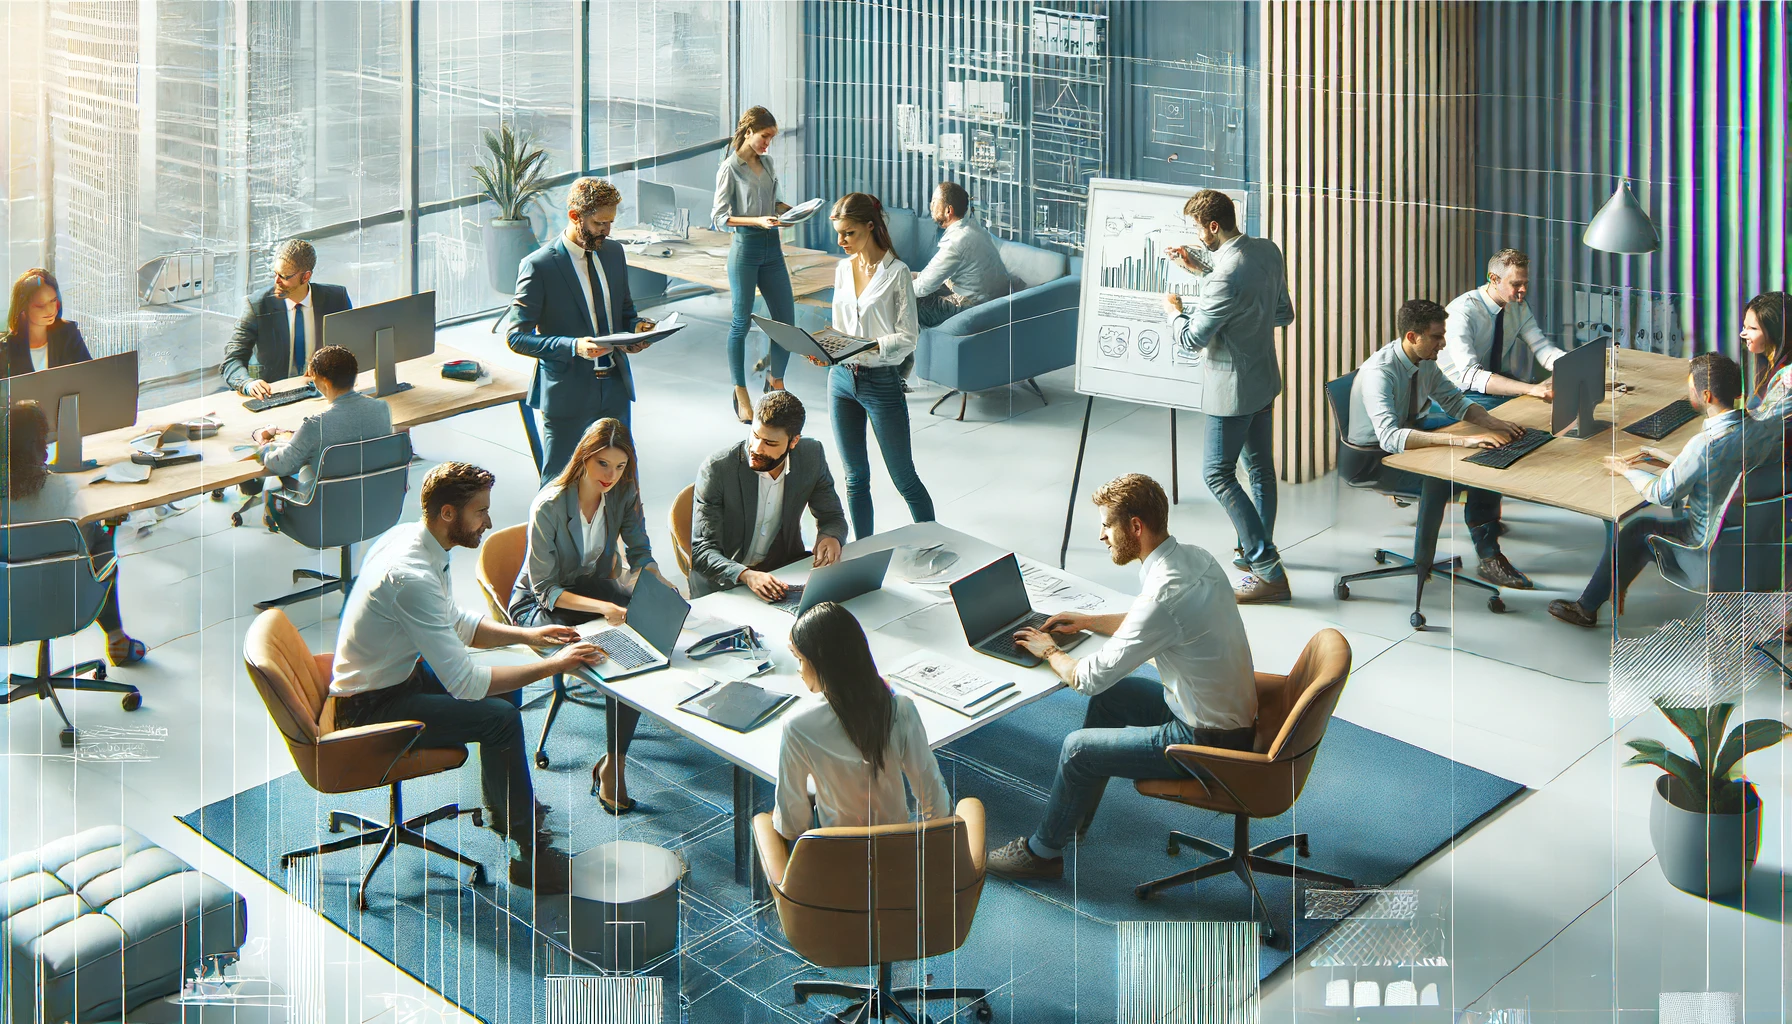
{"type": "Point", "coordinates": [1046, 951]}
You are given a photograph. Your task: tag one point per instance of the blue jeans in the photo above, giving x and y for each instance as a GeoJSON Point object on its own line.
{"type": "Point", "coordinates": [875, 394]}
{"type": "Point", "coordinates": [756, 260]}
{"type": "Point", "coordinates": [1630, 551]}
{"type": "Point", "coordinates": [1123, 736]}
{"type": "Point", "coordinates": [1253, 515]}
{"type": "Point", "coordinates": [1436, 419]}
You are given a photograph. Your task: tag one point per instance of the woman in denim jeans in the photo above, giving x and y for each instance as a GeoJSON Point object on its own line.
{"type": "Point", "coordinates": [873, 299]}
{"type": "Point", "coordinates": [747, 203]}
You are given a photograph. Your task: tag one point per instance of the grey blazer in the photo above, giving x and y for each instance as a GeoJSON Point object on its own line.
{"type": "Point", "coordinates": [554, 561]}
{"type": "Point", "coordinates": [725, 504]}
{"type": "Point", "coordinates": [351, 417]}
{"type": "Point", "coordinates": [1242, 302]}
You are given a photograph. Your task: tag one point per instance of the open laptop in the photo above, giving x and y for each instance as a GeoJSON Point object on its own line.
{"type": "Point", "coordinates": [842, 581]}
{"type": "Point", "coordinates": [655, 615]}
{"type": "Point", "coordinates": [992, 604]}
{"type": "Point", "coordinates": [830, 347]}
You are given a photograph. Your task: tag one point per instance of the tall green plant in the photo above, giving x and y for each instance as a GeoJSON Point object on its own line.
{"type": "Point", "coordinates": [510, 172]}
{"type": "Point", "coordinates": [1708, 777]}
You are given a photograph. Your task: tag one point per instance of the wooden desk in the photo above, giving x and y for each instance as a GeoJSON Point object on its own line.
{"type": "Point", "coordinates": [811, 270]}
{"type": "Point", "coordinates": [432, 397]}
{"type": "Point", "coordinates": [1566, 472]}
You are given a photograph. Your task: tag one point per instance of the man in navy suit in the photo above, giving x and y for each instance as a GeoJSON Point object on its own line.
{"type": "Point", "coordinates": [283, 324]}
{"type": "Point", "coordinates": [570, 292]}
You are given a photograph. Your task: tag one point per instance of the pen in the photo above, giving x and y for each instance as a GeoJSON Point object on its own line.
{"type": "Point", "coordinates": [1000, 689]}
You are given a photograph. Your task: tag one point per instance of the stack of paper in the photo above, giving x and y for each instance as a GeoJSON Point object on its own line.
{"type": "Point", "coordinates": [946, 682]}
{"type": "Point", "coordinates": [800, 212]}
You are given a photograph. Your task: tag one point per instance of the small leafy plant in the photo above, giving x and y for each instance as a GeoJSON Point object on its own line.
{"type": "Point", "coordinates": [1707, 782]}
{"type": "Point", "coordinates": [510, 172]}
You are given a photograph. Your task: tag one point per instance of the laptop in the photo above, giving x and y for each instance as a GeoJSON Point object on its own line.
{"type": "Point", "coordinates": [992, 604]}
{"type": "Point", "coordinates": [830, 347]}
{"type": "Point", "coordinates": [644, 643]}
{"type": "Point", "coordinates": [842, 581]}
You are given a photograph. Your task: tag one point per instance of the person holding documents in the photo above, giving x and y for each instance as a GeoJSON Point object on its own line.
{"type": "Point", "coordinates": [570, 294]}
{"type": "Point", "coordinates": [1185, 622]}
{"type": "Point", "coordinates": [747, 204]}
{"type": "Point", "coordinates": [857, 742]}
{"type": "Point", "coordinates": [579, 527]}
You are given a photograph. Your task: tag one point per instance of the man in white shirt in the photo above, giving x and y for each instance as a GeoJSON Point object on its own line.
{"type": "Point", "coordinates": [1484, 329]}
{"type": "Point", "coordinates": [966, 269]}
{"type": "Point", "coordinates": [402, 656]}
{"type": "Point", "coordinates": [1186, 622]}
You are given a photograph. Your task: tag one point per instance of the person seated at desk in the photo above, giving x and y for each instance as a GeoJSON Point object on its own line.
{"type": "Point", "coordinates": [402, 656]}
{"type": "Point", "coordinates": [33, 494]}
{"type": "Point", "coordinates": [1770, 401]}
{"type": "Point", "coordinates": [282, 324]}
{"type": "Point", "coordinates": [37, 337]}
{"type": "Point", "coordinates": [572, 573]}
{"type": "Point", "coordinates": [1696, 483]}
{"type": "Point", "coordinates": [350, 416]}
{"type": "Point", "coordinates": [1483, 325]}
{"type": "Point", "coordinates": [966, 269]}
{"type": "Point", "coordinates": [1386, 403]}
{"type": "Point", "coordinates": [747, 515]}
{"type": "Point", "coordinates": [1186, 622]}
{"type": "Point", "coordinates": [849, 741]}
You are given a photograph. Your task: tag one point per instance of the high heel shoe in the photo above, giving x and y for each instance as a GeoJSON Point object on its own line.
{"type": "Point", "coordinates": [736, 403]}
{"type": "Point", "coordinates": [613, 807]}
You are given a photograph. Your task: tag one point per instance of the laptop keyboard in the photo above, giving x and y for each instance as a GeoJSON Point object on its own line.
{"type": "Point", "coordinates": [280, 398]}
{"type": "Point", "coordinates": [1002, 644]}
{"type": "Point", "coordinates": [1505, 455]}
{"type": "Point", "coordinates": [1663, 421]}
{"type": "Point", "coordinates": [623, 651]}
{"type": "Point", "coordinates": [832, 344]}
{"type": "Point", "coordinates": [792, 599]}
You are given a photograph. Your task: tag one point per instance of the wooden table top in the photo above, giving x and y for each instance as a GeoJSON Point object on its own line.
{"type": "Point", "coordinates": [1566, 472]}
{"type": "Point", "coordinates": [432, 397]}
{"type": "Point", "coordinates": [811, 270]}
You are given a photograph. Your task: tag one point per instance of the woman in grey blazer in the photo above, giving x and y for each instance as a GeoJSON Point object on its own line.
{"type": "Point", "coordinates": [581, 526]}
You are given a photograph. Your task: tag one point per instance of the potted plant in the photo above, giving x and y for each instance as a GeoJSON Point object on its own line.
{"type": "Point", "coordinates": [510, 175]}
{"type": "Point", "coordinates": [1706, 823]}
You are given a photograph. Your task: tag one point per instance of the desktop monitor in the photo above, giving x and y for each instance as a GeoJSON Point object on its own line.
{"type": "Point", "coordinates": [385, 334]}
{"type": "Point", "coordinates": [659, 209]}
{"type": "Point", "coordinates": [80, 399]}
{"type": "Point", "coordinates": [1579, 381]}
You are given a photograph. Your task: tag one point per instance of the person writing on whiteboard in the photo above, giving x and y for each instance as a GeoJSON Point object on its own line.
{"type": "Point", "coordinates": [746, 203]}
{"type": "Point", "coordinates": [1232, 320]}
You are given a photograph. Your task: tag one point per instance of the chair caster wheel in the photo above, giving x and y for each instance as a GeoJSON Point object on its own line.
{"type": "Point", "coordinates": [541, 759]}
{"type": "Point", "coordinates": [1172, 849]}
{"type": "Point", "coordinates": [1303, 850]}
{"type": "Point", "coordinates": [1274, 939]}
{"type": "Point", "coordinates": [1381, 557]}
{"type": "Point", "coordinates": [99, 674]}
{"type": "Point", "coordinates": [132, 701]}
{"type": "Point", "coordinates": [1341, 591]}
{"type": "Point", "coordinates": [361, 901]}
{"type": "Point", "coordinates": [1417, 620]}
{"type": "Point", "coordinates": [980, 1010]}
{"type": "Point", "coordinates": [1494, 604]}
{"type": "Point", "coordinates": [479, 877]}
{"type": "Point", "coordinates": [218, 495]}
{"type": "Point", "coordinates": [285, 862]}
{"type": "Point", "coordinates": [236, 519]}
{"type": "Point", "coordinates": [1141, 892]}
{"type": "Point", "coordinates": [68, 737]}
{"type": "Point", "coordinates": [478, 817]}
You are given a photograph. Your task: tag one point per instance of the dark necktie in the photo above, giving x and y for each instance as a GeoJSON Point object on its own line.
{"type": "Point", "coordinates": [599, 308]}
{"type": "Point", "coordinates": [1497, 361]}
{"type": "Point", "coordinates": [298, 338]}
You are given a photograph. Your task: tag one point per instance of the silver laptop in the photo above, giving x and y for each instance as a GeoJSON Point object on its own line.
{"type": "Point", "coordinates": [829, 347]}
{"type": "Point", "coordinates": [644, 643]}
{"type": "Point", "coordinates": [842, 581]}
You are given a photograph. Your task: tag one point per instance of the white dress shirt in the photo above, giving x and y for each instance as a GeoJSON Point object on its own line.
{"type": "Point", "coordinates": [884, 312]}
{"type": "Point", "coordinates": [591, 539]}
{"type": "Point", "coordinates": [1186, 622]}
{"type": "Point", "coordinates": [1390, 391]}
{"type": "Point", "coordinates": [847, 793]}
{"type": "Point", "coordinates": [768, 514]}
{"type": "Point", "coordinates": [401, 609]}
{"type": "Point", "coordinates": [577, 252]}
{"type": "Point", "coordinates": [1468, 340]}
{"type": "Point", "coordinates": [297, 365]}
{"type": "Point", "coordinates": [968, 261]}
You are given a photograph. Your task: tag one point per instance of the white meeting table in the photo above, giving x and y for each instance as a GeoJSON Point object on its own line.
{"type": "Point", "coordinates": [901, 619]}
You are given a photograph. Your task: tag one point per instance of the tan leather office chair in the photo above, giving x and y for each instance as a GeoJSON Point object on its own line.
{"type": "Point", "coordinates": [295, 686]}
{"type": "Point", "coordinates": [1292, 714]}
{"type": "Point", "coordinates": [858, 897]}
{"type": "Point", "coordinates": [682, 507]}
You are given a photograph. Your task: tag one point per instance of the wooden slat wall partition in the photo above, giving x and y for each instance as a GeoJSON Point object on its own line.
{"type": "Point", "coordinates": [1368, 111]}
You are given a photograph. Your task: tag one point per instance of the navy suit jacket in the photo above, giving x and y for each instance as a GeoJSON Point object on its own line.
{"type": "Point", "coordinates": [263, 337]}
{"type": "Point", "coordinates": [65, 345]}
{"type": "Point", "coordinates": [549, 316]}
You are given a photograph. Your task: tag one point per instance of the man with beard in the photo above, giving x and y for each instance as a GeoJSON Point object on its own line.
{"type": "Point", "coordinates": [569, 293]}
{"type": "Point", "coordinates": [283, 324]}
{"type": "Point", "coordinates": [966, 269]}
{"type": "Point", "coordinates": [1185, 622]}
{"type": "Point", "coordinates": [748, 506]}
{"type": "Point", "coordinates": [402, 656]}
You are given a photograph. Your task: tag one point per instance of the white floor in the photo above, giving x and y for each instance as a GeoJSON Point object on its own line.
{"type": "Point", "coordinates": [1554, 905]}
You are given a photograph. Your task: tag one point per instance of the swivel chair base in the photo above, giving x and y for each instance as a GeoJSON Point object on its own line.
{"type": "Point", "coordinates": [1242, 860]}
{"type": "Point", "coordinates": [879, 1001]}
{"type": "Point", "coordinates": [45, 684]}
{"type": "Point", "coordinates": [560, 699]}
{"type": "Point", "coordinates": [331, 584]}
{"type": "Point", "coordinates": [1403, 566]}
{"type": "Point", "coordinates": [400, 832]}
{"type": "Point", "coordinates": [964, 397]}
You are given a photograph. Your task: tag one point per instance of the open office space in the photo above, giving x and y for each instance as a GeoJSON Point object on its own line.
{"type": "Point", "coordinates": [729, 510]}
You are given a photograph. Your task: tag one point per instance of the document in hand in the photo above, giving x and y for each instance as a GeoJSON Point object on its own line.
{"type": "Point", "coordinates": [800, 212]}
{"type": "Point", "coordinates": [738, 705]}
{"type": "Point", "coordinates": [661, 331]}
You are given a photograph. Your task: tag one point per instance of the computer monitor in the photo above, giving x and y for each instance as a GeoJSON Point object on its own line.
{"type": "Point", "coordinates": [80, 399]}
{"type": "Point", "coordinates": [385, 334]}
{"type": "Point", "coordinates": [1579, 381]}
{"type": "Point", "coordinates": [659, 209]}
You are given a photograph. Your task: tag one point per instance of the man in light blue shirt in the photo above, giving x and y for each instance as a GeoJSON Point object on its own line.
{"type": "Point", "coordinates": [966, 269]}
{"type": "Point", "coordinates": [1696, 485]}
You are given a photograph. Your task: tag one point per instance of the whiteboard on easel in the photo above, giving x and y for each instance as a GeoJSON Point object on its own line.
{"type": "Point", "coordinates": [1124, 346]}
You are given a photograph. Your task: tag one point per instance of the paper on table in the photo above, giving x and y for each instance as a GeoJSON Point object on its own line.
{"type": "Point", "coordinates": [124, 471]}
{"type": "Point", "coordinates": [1047, 586]}
{"type": "Point", "coordinates": [947, 682]}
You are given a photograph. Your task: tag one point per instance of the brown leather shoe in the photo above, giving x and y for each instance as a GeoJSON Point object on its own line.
{"type": "Point", "coordinates": [548, 872]}
{"type": "Point", "coordinates": [1017, 860]}
{"type": "Point", "coordinates": [1254, 589]}
{"type": "Point", "coordinates": [1499, 572]}
{"type": "Point", "coordinates": [1572, 613]}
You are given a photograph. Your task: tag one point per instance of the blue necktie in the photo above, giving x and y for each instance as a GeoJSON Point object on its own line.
{"type": "Point", "coordinates": [298, 337]}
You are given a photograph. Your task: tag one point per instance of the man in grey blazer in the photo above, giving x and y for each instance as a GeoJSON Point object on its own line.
{"type": "Point", "coordinates": [1242, 301]}
{"type": "Point", "coordinates": [748, 514]}
{"type": "Point", "coordinates": [350, 416]}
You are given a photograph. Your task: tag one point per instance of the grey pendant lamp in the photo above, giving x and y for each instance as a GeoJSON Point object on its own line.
{"type": "Point", "coordinates": [1622, 225]}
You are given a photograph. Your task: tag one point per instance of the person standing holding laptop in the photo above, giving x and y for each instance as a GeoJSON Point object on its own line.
{"type": "Point", "coordinates": [747, 204]}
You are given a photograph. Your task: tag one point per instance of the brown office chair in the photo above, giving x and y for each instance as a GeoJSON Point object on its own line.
{"type": "Point", "coordinates": [1292, 714]}
{"type": "Point", "coordinates": [681, 528]}
{"type": "Point", "coordinates": [295, 685]}
{"type": "Point", "coordinates": [835, 919]}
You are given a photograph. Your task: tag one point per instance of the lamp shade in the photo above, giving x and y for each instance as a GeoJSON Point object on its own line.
{"type": "Point", "coordinates": [1621, 225]}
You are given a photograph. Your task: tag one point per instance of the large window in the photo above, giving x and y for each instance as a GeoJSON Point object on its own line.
{"type": "Point", "coordinates": [658, 77]}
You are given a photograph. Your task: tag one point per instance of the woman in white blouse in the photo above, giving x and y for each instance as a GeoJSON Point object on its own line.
{"type": "Point", "coordinates": [857, 742]}
{"type": "Point", "coordinates": [874, 298]}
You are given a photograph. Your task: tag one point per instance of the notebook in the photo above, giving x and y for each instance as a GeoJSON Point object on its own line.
{"type": "Point", "coordinates": [739, 705]}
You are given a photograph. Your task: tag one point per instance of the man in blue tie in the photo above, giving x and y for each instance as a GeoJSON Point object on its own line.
{"type": "Point", "coordinates": [569, 293]}
{"type": "Point", "coordinates": [279, 330]}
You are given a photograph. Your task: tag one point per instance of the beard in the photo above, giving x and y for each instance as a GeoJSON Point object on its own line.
{"type": "Point", "coordinates": [589, 241]}
{"type": "Point", "coordinates": [1122, 547]}
{"type": "Point", "coordinates": [465, 535]}
{"type": "Point", "coordinates": [761, 464]}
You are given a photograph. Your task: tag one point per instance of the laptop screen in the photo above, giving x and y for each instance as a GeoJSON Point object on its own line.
{"type": "Point", "coordinates": [657, 613]}
{"type": "Point", "coordinates": [990, 598]}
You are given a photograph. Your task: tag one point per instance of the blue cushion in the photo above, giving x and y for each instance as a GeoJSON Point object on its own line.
{"type": "Point", "coordinates": [1004, 341]}
{"type": "Point", "coordinates": [1032, 267]}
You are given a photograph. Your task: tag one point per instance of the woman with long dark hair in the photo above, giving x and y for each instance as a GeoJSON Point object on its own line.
{"type": "Point", "coordinates": [857, 743]}
{"type": "Point", "coordinates": [37, 337]}
{"type": "Point", "coordinates": [581, 526]}
{"type": "Point", "coordinates": [30, 493]}
{"type": "Point", "coordinates": [747, 204]}
{"type": "Point", "coordinates": [1770, 396]}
